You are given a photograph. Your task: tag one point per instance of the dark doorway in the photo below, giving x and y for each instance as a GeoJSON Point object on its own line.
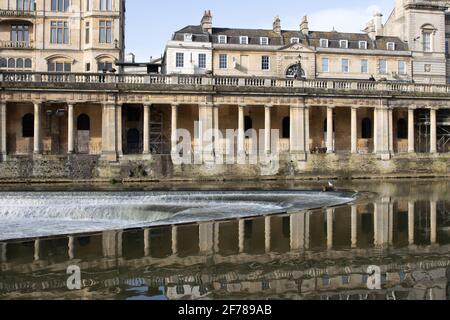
{"type": "Point", "coordinates": [286, 128]}
{"type": "Point", "coordinates": [248, 123]}
{"type": "Point", "coordinates": [402, 129]}
{"type": "Point", "coordinates": [366, 128]}
{"type": "Point", "coordinates": [133, 141]}
{"type": "Point", "coordinates": [28, 126]}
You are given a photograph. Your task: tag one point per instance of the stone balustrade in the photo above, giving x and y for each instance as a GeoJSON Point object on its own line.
{"type": "Point", "coordinates": [17, 13]}
{"type": "Point", "coordinates": [16, 44]}
{"type": "Point", "coordinates": [218, 81]}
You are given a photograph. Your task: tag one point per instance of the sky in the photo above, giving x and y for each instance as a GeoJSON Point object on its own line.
{"type": "Point", "coordinates": [151, 23]}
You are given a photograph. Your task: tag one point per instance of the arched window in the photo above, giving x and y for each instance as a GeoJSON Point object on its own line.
{"type": "Point", "coordinates": [83, 122]}
{"type": "Point", "coordinates": [402, 129]}
{"type": "Point", "coordinates": [248, 123]}
{"type": "Point", "coordinates": [366, 128]}
{"type": "Point", "coordinates": [11, 63]}
{"type": "Point", "coordinates": [28, 63]}
{"type": "Point", "coordinates": [286, 128]}
{"type": "Point", "coordinates": [19, 63]}
{"type": "Point", "coordinates": [295, 71]}
{"type": "Point", "coordinates": [3, 63]}
{"type": "Point", "coordinates": [28, 126]}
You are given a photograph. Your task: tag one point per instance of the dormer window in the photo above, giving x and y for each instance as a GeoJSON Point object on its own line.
{"type": "Point", "coordinates": [363, 45]}
{"type": "Point", "coordinates": [222, 39]}
{"type": "Point", "coordinates": [264, 41]}
{"type": "Point", "coordinates": [343, 44]}
{"type": "Point", "coordinates": [295, 40]}
{"type": "Point", "coordinates": [243, 40]}
{"type": "Point", "coordinates": [188, 37]}
{"type": "Point", "coordinates": [324, 43]}
{"type": "Point", "coordinates": [390, 46]}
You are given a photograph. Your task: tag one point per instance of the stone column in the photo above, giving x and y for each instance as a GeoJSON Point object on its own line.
{"type": "Point", "coordinates": [71, 130]}
{"type": "Point", "coordinates": [307, 232]}
{"type": "Point", "coordinates": [206, 115]}
{"type": "Point", "coordinates": [267, 229]}
{"type": "Point", "coordinates": [37, 128]}
{"type": "Point", "coordinates": [241, 131]}
{"type": "Point", "coordinates": [391, 130]}
{"type": "Point", "coordinates": [119, 130]}
{"type": "Point", "coordinates": [382, 133]}
{"type": "Point", "coordinates": [354, 227]}
{"type": "Point", "coordinates": [381, 222]}
{"type": "Point", "coordinates": [37, 250]}
{"type": "Point", "coordinates": [147, 244]}
{"type": "Point", "coordinates": [71, 248]}
{"type": "Point", "coordinates": [241, 232]}
{"type": "Point", "coordinates": [206, 237]}
{"type": "Point", "coordinates": [375, 130]}
{"type": "Point", "coordinates": [433, 131]}
{"type": "Point", "coordinates": [297, 135]}
{"type": "Point", "coordinates": [146, 131]}
{"type": "Point", "coordinates": [112, 244]}
{"type": "Point", "coordinates": [307, 128]}
{"type": "Point", "coordinates": [354, 130]}
{"type": "Point", "coordinates": [411, 223]}
{"type": "Point", "coordinates": [330, 128]}
{"type": "Point", "coordinates": [433, 222]}
{"type": "Point", "coordinates": [298, 231]}
{"type": "Point", "coordinates": [109, 133]}
{"type": "Point", "coordinates": [174, 128]}
{"type": "Point", "coordinates": [330, 220]}
{"type": "Point", "coordinates": [217, 139]}
{"type": "Point", "coordinates": [3, 150]}
{"type": "Point", "coordinates": [174, 240]}
{"type": "Point", "coordinates": [267, 129]}
{"type": "Point", "coordinates": [411, 141]}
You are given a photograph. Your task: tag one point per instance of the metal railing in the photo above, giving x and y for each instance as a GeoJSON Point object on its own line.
{"type": "Point", "coordinates": [221, 81]}
{"type": "Point", "coordinates": [17, 13]}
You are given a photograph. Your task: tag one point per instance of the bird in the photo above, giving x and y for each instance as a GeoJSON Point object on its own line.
{"type": "Point", "coordinates": [329, 188]}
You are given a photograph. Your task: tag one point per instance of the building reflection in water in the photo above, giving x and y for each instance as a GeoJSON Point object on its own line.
{"type": "Point", "coordinates": [308, 255]}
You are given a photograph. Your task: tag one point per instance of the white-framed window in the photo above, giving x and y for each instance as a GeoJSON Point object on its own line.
{"type": "Point", "coordinates": [202, 60]}
{"type": "Point", "coordinates": [345, 65]}
{"type": "Point", "coordinates": [295, 40]}
{"type": "Point", "coordinates": [364, 66]}
{"type": "Point", "coordinates": [325, 65]}
{"type": "Point", "coordinates": [343, 44]}
{"type": "Point", "coordinates": [390, 46]}
{"type": "Point", "coordinates": [223, 61]}
{"type": "Point", "coordinates": [427, 41]}
{"type": "Point", "coordinates": [265, 63]}
{"type": "Point", "coordinates": [179, 60]}
{"type": "Point", "coordinates": [382, 66]}
{"type": "Point", "coordinates": [188, 37]}
{"type": "Point", "coordinates": [105, 30]}
{"type": "Point", "coordinates": [324, 43]}
{"type": "Point", "coordinates": [264, 41]}
{"type": "Point", "coordinates": [363, 45]}
{"type": "Point", "coordinates": [401, 67]}
{"type": "Point", "coordinates": [59, 32]}
{"type": "Point", "coordinates": [243, 40]}
{"type": "Point", "coordinates": [223, 39]}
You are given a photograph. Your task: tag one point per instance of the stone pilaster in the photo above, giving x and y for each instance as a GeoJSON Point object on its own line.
{"type": "Point", "coordinates": [241, 132]}
{"type": "Point", "coordinates": [382, 133]}
{"type": "Point", "coordinates": [70, 129]}
{"type": "Point", "coordinates": [267, 129]}
{"type": "Point", "coordinates": [411, 139]}
{"type": "Point", "coordinates": [433, 130]}
{"type": "Point", "coordinates": [206, 144]}
{"type": "Point", "coordinates": [174, 127]}
{"type": "Point", "coordinates": [3, 150]}
{"type": "Point", "coordinates": [146, 132]}
{"type": "Point", "coordinates": [297, 132]}
{"type": "Point", "coordinates": [411, 223]}
{"type": "Point", "coordinates": [37, 128]}
{"type": "Point", "coordinates": [119, 130]}
{"type": "Point", "coordinates": [109, 133]}
{"type": "Point", "coordinates": [354, 130]}
{"type": "Point", "coordinates": [330, 129]}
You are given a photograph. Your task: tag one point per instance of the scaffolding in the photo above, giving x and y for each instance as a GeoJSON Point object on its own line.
{"type": "Point", "coordinates": [158, 142]}
{"type": "Point", "coordinates": [423, 125]}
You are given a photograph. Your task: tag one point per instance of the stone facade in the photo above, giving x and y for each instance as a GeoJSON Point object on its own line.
{"type": "Point", "coordinates": [82, 36]}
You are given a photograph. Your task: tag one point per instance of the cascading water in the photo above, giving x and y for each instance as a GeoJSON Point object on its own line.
{"type": "Point", "coordinates": [38, 214]}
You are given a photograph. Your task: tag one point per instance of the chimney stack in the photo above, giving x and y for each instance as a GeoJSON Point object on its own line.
{"type": "Point", "coordinates": [378, 23]}
{"type": "Point", "coordinates": [304, 28]}
{"type": "Point", "coordinates": [277, 25]}
{"type": "Point", "coordinates": [207, 22]}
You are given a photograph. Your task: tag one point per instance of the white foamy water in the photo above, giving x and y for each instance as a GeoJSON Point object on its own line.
{"type": "Point", "coordinates": [39, 214]}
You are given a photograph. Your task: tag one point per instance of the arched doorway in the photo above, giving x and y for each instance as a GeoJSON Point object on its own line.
{"type": "Point", "coordinates": [248, 123]}
{"type": "Point", "coordinates": [133, 141]}
{"type": "Point", "coordinates": [83, 133]}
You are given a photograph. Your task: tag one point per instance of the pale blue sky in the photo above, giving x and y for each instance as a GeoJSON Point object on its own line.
{"type": "Point", "coordinates": [150, 23]}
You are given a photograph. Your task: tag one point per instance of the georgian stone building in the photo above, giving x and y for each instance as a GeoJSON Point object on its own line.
{"type": "Point", "coordinates": [61, 35]}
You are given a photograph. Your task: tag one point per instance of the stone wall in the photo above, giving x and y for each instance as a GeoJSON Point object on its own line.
{"type": "Point", "coordinates": [91, 169]}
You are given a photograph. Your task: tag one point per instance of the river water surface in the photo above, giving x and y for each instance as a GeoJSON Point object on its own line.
{"type": "Point", "coordinates": [227, 241]}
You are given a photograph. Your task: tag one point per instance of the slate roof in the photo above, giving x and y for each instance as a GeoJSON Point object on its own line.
{"type": "Point", "coordinates": [313, 38]}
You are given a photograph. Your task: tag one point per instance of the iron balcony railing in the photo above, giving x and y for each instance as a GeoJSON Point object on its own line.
{"type": "Point", "coordinates": [221, 81]}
